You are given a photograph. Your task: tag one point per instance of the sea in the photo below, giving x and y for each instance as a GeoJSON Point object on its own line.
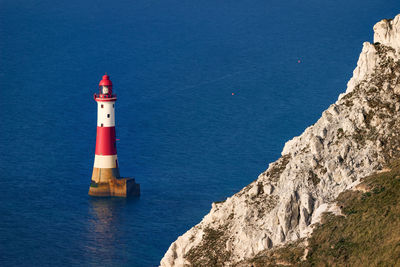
{"type": "Point", "coordinates": [208, 94]}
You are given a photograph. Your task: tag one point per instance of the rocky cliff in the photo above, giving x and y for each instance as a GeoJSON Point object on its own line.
{"type": "Point", "coordinates": [355, 137]}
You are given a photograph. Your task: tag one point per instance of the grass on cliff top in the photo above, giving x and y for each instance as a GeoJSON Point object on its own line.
{"type": "Point", "coordinates": [367, 235]}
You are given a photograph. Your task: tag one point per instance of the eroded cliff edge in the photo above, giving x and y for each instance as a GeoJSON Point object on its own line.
{"type": "Point", "coordinates": [356, 136]}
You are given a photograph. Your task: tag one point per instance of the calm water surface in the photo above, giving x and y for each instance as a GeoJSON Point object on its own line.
{"type": "Point", "coordinates": [208, 92]}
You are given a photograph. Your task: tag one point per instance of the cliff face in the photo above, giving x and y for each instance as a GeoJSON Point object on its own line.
{"type": "Point", "coordinates": [355, 137]}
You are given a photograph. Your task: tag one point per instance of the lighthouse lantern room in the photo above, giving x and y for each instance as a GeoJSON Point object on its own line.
{"type": "Point", "coordinates": [106, 180]}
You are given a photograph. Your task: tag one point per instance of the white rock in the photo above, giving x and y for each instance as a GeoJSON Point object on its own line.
{"type": "Point", "coordinates": [387, 32]}
{"type": "Point", "coordinates": [316, 146]}
{"type": "Point", "coordinates": [365, 65]}
{"type": "Point", "coordinates": [268, 189]}
{"type": "Point", "coordinates": [396, 89]}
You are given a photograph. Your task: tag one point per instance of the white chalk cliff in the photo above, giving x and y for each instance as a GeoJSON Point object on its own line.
{"type": "Point", "coordinates": [356, 136]}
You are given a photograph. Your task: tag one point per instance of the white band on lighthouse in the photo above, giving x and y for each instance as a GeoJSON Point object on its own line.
{"type": "Point", "coordinates": [105, 161]}
{"type": "Point", "coordinates": [106, 113]}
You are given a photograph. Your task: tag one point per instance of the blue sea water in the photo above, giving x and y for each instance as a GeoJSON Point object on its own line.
{"type": "Point", "coordinates": [208, 92]}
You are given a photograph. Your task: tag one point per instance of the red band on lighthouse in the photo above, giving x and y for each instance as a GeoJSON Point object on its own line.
{"type": "Point", "coordinates": [105, 141]}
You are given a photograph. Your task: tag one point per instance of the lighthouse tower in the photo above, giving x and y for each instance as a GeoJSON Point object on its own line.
{"type": "Point", "coordinates": [106, 180]}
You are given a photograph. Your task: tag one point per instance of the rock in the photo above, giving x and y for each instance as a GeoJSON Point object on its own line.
{"type": "Point", "coordinates": [253, 192]}
{"type": "Point", "coordinates": [316, 146]}
{"type": "Point", "coordinates": [354, 137]}
{"type": "Point", "coordinates": [365, 65]}
{"type": "Point", "coordinates": [396, 89]}
{"type": "Point", "coordinates": [387, 32]}
{"type": "Point", "coordinates": [268, 189]}
{"type": "Point", "coordinates": [397, 106]}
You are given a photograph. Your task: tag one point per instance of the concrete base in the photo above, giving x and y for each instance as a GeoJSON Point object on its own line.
{"type": "Point", "coordinates": [117, 187]}
{"type": "Point", "coordinates": [106, 184]}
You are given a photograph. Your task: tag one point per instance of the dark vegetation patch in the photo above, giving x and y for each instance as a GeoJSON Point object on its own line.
{"type": "Point", "coordinates": [212, 249]}
{"type": "Point", "coordinates": [312, 177]}
{"type": "Point", "coordinates": [289, 255]}
{"type": "Point", "coordinates": [272, 174]}
{"type": "Point", "coordinates": [340, 133]}
{"type": "Point", "coordinates": [359, 136]}
{"type": "Point", "coordinates": [265, 205]}
{"type": "Point", "coordinates": [277, 168]}
{"type": "Point", "coordinates": [368, 117]}
{"type": "Point", "coordinates": [349, 95]}
{"type": "Point", "coordinates": [321, 169]}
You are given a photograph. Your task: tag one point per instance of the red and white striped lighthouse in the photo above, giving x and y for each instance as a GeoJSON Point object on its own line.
{"type": "Point", "coordinates": [106, 180]}
{"type": "Point", "coordinates": [106, 147]}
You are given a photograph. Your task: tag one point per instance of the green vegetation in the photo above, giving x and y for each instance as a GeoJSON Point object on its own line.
{"type": "Point", "coordinates": [284, 256]}
{"type": "Point", "coordinates": [313, 178]}
{"type": "Point", "coordinates": [220, 202]}
{"type": "Point", "coordinates": [211, 251]}
{"type": "Point", "coordinates": [367, 235]}
{"type": "Point", "coordinates": [273, 173]}
{"type": "Point", "coordinates": [277, 168]}
{"type": "Point", "coordinates": [340, 133]}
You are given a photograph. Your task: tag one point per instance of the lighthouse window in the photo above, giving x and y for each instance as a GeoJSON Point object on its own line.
{"type": "Point", "coordinates": [102, 105]}
{"type": "Point", "coordinates": [113, 105]}
{"type": "Point", "coordinates": [108, 115]}
{"type": "Point", "coordinates": [101, 125]}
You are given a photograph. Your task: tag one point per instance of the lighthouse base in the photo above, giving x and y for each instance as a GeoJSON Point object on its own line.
{"type": "Point", "coordinates": [115, 187]}
{"type": "Point", "coordinates": [106, 182]}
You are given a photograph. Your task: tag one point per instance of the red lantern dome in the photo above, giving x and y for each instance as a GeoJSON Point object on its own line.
{"type": "Point", "coordinates": [105, 81]}
{"type": "Point", "coordinates": [105, 86]}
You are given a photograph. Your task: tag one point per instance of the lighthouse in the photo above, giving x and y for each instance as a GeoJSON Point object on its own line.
{"type": "Point", "coordinates": [106, 180]}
